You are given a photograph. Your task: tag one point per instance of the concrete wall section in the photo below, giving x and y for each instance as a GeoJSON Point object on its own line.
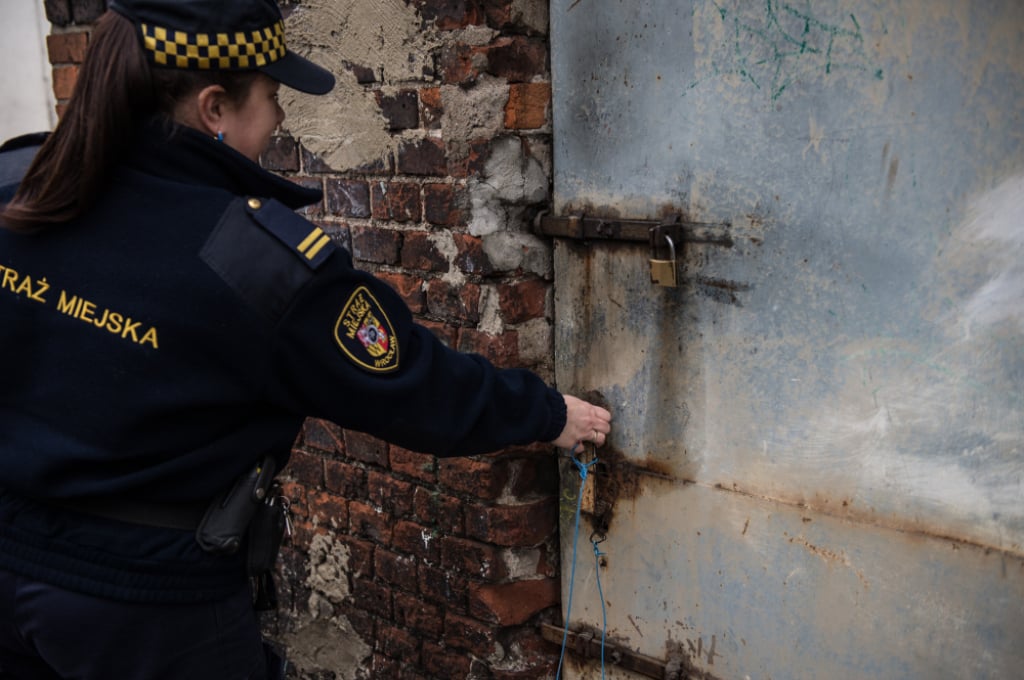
{"type": "Point", "coordinates": [28, 103]}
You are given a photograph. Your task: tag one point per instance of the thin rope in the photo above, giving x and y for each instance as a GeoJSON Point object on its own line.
{"type": "Point", "coordinates": [600, 592]}
{"type": "Point", "coordinates": [583, 470]}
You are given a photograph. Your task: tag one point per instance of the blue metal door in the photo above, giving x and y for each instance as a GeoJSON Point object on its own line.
{"type": "Point", "coordinates": [817, 462]}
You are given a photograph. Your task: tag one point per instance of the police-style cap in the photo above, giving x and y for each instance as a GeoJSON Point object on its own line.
{"type": "Point", "coordinates": [222, 35]}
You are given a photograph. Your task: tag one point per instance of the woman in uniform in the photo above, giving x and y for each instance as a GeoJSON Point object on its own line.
{"type": "Point", "coordinates": [167, 322]}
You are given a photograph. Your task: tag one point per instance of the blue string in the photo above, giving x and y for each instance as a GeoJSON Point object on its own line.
{"type": "Point", "coordinates": [583, 469]}
{"type": "Point", "coordinates": [604, 612]}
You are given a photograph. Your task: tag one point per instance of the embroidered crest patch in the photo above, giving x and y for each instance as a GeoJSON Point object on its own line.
{"type": "Point", "coordinates": [365, 334]}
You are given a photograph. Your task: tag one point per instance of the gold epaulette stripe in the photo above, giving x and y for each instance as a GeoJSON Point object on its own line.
{"type": "Point", "coordinates": [308, 248]}
{"type": "Point", "coordinates": [214, 50]}
{"type": "Point", "coordinates": [324, 240]}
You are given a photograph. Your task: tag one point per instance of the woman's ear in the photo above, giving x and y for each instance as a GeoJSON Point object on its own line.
{"type": "Point", "coordinates": [210, 109]}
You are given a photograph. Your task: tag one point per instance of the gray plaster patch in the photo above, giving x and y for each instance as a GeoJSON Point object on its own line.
{"type": "Point", "coordinates": [327, 645]}
{"type": "Point", "coordinates": [490, 311]}
{"type": "Point", "coordinates": [328, 568]}
{"type": "Point", "coordinates": [474, 113]}
{"type": "Point", "coordinates": [345, 127]}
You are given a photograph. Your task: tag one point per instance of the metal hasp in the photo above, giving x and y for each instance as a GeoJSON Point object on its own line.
{"type": "Point", "coordinates": [586, 228]}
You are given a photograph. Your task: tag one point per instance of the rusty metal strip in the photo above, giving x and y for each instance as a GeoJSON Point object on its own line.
{"type": "Point", "coordinates": [586, 228]}
{"type": "Point", "coordinates": [588, 645]}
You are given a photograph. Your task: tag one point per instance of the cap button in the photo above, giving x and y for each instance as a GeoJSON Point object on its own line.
{"type": "Point", "coordinates": [255, 203]}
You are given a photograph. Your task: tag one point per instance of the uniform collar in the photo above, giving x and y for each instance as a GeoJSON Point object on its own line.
{"type": "Point", "coordinates": [185, 155]}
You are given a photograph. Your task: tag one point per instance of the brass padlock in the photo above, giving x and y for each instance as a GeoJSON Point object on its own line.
{"type": "Point", "coordinates": [663, 272]}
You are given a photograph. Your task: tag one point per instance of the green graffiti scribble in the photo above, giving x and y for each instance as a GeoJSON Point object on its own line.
{"type": "Point", "coordinates": [774, 50]}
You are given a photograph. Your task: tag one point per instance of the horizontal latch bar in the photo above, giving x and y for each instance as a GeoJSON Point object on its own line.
{"type": "Point", "coordinates": [598, 228]}
{"type": "Point", "coordinates": [588, 645]}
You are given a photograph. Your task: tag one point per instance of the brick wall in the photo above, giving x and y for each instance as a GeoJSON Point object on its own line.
{"type": "Point", "coordinates": [403, 565]}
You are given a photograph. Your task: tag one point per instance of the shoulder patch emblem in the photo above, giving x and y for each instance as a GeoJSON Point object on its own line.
{"type": "Point", "coordinates": [365, 334]}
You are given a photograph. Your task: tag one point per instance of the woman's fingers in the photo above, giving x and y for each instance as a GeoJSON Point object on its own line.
{"type": "Point", "coordinates": [584, 422]}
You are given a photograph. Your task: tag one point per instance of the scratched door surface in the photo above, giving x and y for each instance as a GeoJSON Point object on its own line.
{"type": "Point", "coordinates": [817, 462]}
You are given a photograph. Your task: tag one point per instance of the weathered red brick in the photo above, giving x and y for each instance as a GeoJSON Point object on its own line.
{"type": "Point", "coordinates": [363, 623]}
{"type": "Point", "coordinates": [523, 300]}
{"type": "Point", "coordinates": [374, 244]}
{"type": "Point", "coordinates": [449, 14]}
{"type": "Point", "coordinates": [347, 197]}
{"type": "Point", "coordinates": [420, 252]}
{"type": "Point", "coordinates": [281, 155]}
{"type": "Point", "coordinates": [413, 613]}
{"type": "Point", "coordinates": [360, 556]}
{"type": "Point", "coordinates": [481, 560]}
{"type": "Point", "coordinates": [64, 78]}
{"type": "Point", "coordinates": [411, 289]}
{"type": "Point", "coordinates": [445, 332]}
{"type": "Point", "coordinates": [480, 477]}
{"type": "Point", "coordinates": [443, 587]}
{"type": "Point", "coordinates": [527, 107]}
{"type": "Point", "coordinates": [534, 476]}
{"type": "Point", "coordinates": [502, 349]}
{"type": "Point", "coordinates": [393, 495]}
{"type": "Point", "coordinates": [316, 209]}
{"type": "Point", "coordinates": [58, 12]}
{"type": "Point", "coordinates": [513, 525]}
{"type": "Point", "coordinates": [67, 48]}
{"type": "Point", "coordinates": [322, 435]}
{"type": "Point", "coordinates": [345, 479]}
{"type": "Point", "coordinates": [419, 465]}
{"type": "Point", "coordinates": [432, 107]}
{"type": "Point", "coordinates": [327, 509]}
{"type": "Point", "coordinates": [371, 597]}
{"type": "Point", "coordinates": [396, 201]}
{"type": "Point", "coordinates": [518, 58]}
{"type": "Point", "coordinates": [399, 110]}
{"type": "Point", "coordinates": [383, 666]}
{"type": "Point", "coordinates": [416, 539]}
{"type": "Point", "coordinates": [306, 468]}
{"type": "Point", "coordinates": [453, 302]}
{"type": "Point", "coordinates": [87, 11]}
{"type": "Point", "coordinates": [471, 258]}
{"type": "Point", "coordinates": [396, 570]}
{"type": "Point", "coordinates": [498, 13]}
{"type": "Point", "coordinates": [398, 644]}
{"type": "Point", "coordinates": [511, 604]}
{"type": "Point", "coordinates": [475, 160]}
{"type": "Point", "coordinates": [444, 662]}
{"type": "Point", "coordinates": [437, 510]}
{"type": "Point", "coordinates": [366, 448]}
{"type": "Point", "coordinates": [366, 521]}
{"type": "Point", "coordinates": [463, 632]}
{"type": "Point", "coordinates": [462, 64]}
{"type": "Point", "coordinates": [424, 156]}
{"type": "Point", "coordinates": [439, 205]}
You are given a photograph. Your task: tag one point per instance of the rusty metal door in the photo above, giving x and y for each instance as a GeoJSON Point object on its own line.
{"type": "Point", "coordinates": [818, 450]}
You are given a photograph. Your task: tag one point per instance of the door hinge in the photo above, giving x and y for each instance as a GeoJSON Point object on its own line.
{"type": "Point", "coordinates": [588, 646]}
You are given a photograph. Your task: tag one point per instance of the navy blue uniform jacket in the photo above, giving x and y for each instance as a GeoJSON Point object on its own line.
{"type": "Point", "coordinates": [182, 329]}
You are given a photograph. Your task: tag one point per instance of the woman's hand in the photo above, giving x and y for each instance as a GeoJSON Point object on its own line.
{"type": "Point", "coordinates": [583, 422]}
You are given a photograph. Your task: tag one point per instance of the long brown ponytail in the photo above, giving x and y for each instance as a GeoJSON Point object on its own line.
{"type": "Point", "coordinates": [113, 93]}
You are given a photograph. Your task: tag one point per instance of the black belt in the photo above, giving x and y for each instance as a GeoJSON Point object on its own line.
{"type": "Point", "coordinates": [165, 515]}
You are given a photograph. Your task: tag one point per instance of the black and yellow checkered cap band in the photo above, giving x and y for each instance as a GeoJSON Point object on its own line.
{"type": "Point", "coordinates": [235, 50]}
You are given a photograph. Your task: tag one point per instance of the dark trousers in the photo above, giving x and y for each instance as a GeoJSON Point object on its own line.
{"type": "Point", "coordinates": [47, 633]}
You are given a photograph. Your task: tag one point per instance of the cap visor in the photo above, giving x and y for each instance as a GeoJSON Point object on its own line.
{"type": "Point", "coordinates": [300, 74]}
